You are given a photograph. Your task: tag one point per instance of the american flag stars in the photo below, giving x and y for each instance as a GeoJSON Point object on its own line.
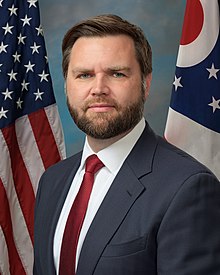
{"type": "Point", "coordinates": [3, 47]}
{"type": "Point", "coordinates": [8, 29]}
{"type": "Point", "coordinates": [39, 30]}
{"type": "Point", "coordinates": [23, 61]}
{"type": "Point", "coordinates": [38, 95]}
{"type": "Point", "coordinates": [7, 94]}
{"type": "Point", "coordinates": [26, 20]}
{"type": "Point", "coordinates": [12, 75]}
{"type": "Point", "coordinates": [19, 102]}
{"type": "Point", "coordinates": [35, 48]}
{"type": "Point", "coordinates": [3, 113]}
{"type": "Point", "coordinates": [24, 85]}
{"type": "Point", "coordinates": [32, 3]}
{"type": "Point", "coordinates": [21, 39]}
{"type": "Point", "coordinates": [43, 76]}
{"type": "Point", "coordinates": [13, 10]}
{"type": "Point", "coordinates": [29, 67]}
{"type": "Point", "coordinates": [16, 57]}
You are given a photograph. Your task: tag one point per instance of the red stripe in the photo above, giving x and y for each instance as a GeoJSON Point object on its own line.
{"type": "Point", "coordinates": [16, 267]}
{"type": "Point", "coordinates": [21, 178]}
{"type": "Point", "coordinates": [44, 138]}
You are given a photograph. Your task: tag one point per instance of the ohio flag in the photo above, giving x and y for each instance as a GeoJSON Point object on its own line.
{"type": "Point", "coordinates": [193, 121]}
{"type": "Point", "coordinates": [30, 132]}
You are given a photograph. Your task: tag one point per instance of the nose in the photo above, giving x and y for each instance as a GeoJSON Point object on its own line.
{"type": "Point", "coordinates": [100, 86]}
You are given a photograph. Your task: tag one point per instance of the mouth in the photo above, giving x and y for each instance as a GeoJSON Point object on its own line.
{"type": "Point", "coordinates": [101, 107]}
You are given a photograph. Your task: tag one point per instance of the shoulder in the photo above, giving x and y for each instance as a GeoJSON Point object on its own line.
{"type": "Point", "coordinates": [64, 165]}
{"type": "Point", "coordinates": [57, 176]}
{"type": "Point", "coordinates": [177, 159]}
{"type": "Point", "coordinates": [60, 172]}
{"type": "Point", "coordinates": [176, 172]}
{"type": "Point", "coordinates": [168, 163]}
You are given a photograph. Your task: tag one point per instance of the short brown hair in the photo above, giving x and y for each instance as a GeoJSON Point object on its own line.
{"type": "Point", "coordinates": [108, 24]}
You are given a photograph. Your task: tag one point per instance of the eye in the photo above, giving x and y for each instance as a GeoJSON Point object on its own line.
{"type": "Point", "coordinates": [118, 75]}
{"type": "Point", "coordinates": [84, 75]}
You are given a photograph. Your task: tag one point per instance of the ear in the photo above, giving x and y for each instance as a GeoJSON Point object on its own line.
{"type": "Point", "coordinates": [65, 87]}
{"type": "Point", "coordinates": [148, 80]}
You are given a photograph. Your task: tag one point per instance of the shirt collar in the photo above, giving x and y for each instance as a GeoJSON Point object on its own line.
{"type": "Point", "coordinates": [114, 155]}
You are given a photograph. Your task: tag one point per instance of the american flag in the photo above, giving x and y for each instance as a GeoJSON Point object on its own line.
{"type": "Point", "coordinates": [31, 137]}
{"type": "Point", "coordinates": [193, 121]}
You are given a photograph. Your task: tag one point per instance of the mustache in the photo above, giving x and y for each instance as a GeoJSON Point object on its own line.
{"type": "Point", "coordinates": [99, 100]}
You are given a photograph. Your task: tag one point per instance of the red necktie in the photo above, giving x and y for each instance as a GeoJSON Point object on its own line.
{"type": "Point", "coordinates": [76, 217]}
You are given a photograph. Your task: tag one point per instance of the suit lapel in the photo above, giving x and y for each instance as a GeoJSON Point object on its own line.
{"type": "Point", "coordinates": [116, 204]}
{"type": "Point", "coordinates": [124, 191]}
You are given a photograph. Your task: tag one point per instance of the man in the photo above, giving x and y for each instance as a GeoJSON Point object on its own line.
{"type": "Point", "coordinates": [153, 209]}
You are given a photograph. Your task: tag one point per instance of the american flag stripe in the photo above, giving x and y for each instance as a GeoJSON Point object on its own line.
{"type": "Point", "coordinates": [56, 127]}
{"type": "Point", "coordinates": [11, 254]}
{"type": "Point", "coordinates": [23, 164]}
{"type": "Point", "coordinates": [28, 147]}
{"type": "Point", "coordinates": [21, 178]}
{"type": "Point", "coordinates": [42, 135]}
{"type": "Point", "coordinates": [3, 253]}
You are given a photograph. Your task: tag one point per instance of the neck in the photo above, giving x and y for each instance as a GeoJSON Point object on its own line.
{"type": "Point", "coordinates": [100, 144]}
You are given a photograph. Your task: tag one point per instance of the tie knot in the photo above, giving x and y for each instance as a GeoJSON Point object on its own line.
{"type": "Point", "coordinates": [93, 164]}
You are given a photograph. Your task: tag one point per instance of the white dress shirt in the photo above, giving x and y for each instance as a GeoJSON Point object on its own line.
{"type": "Point", "coordinates": [113, 157]}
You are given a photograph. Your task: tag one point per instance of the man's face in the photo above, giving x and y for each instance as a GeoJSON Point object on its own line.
{"type": "Point", "coordinates": [105, 94]}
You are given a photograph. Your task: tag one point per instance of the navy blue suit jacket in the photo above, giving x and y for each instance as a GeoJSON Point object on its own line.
{"type": "Point", "coordinates": [160, 216]}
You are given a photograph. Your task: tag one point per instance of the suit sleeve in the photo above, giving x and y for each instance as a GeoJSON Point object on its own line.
{"type": "Point", "coordinates": [189, 235]}
{"type": "Point", "coordinates": [36, 231]}
{"type": "Point", "coordinates": [42, 224]}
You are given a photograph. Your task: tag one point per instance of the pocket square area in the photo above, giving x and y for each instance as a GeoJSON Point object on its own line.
{"type": "Point", "coordinates": [123, 249]}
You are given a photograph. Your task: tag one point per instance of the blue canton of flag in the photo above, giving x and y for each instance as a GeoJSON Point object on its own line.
{"type": "Point", "coordinates": [25, 80]}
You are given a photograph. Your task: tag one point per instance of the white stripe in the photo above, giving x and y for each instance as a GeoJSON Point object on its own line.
{"type": "Point", "coordinates": [20, 231]}
{"type": "Point", "coordinates": [4, 261]}
{"type": "Point", "coordinates": [29, 150]}
{"type": "Point", "coordinates": [56, 127]}
{"type": "Point", "coordinates": [195, 139]}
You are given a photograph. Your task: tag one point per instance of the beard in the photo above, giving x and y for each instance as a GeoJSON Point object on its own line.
{"type": "Point", "coordinates": [106, 125]}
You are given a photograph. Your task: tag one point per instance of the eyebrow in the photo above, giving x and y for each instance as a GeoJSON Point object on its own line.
{"type": "Point", "coordinates": [109, 69]}
{"type": "Point", "coordinates": [79, 70]}
{"type": "Point", "coordinates": [119, 68]}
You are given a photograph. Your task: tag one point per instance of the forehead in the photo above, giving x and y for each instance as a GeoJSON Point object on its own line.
{"type": "Point", "coordinates": [110, 50]}
{"type": "Point", "coordinates": [106, 43]}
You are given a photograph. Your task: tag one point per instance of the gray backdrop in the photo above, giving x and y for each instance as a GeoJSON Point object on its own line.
{"type": "Point", "coordinates": [162, 23]}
